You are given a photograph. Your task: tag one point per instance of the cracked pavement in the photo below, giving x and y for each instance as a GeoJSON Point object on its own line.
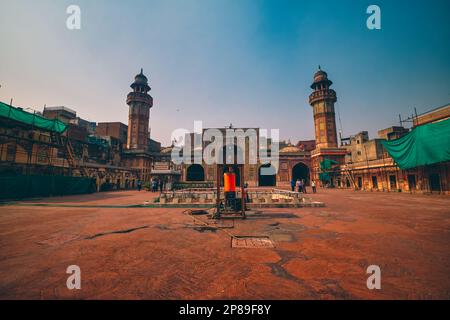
{"type": "Point", "coordinates": [158, 253]}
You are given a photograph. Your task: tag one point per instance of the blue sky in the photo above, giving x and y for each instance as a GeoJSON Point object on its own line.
{"type": "Point", "coordinates": [247, 62]}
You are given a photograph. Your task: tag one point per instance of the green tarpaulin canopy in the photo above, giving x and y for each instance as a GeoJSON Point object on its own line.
{"type": "Point", "coordinates": [325, 167]}
{"type": "Point", "coordinates": [425, 145]}
{"type": "Point", "coordinates": [326, 164]}
{"type": "Point", "coordinates": [35, 120]}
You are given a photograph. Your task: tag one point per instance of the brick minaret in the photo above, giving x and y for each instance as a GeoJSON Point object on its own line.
{"type": "Point", "coordinates": [322, 100]}
{"type": "Point", "coordinates": [140, 103]}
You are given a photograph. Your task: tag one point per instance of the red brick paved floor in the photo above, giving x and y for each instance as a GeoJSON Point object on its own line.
{"type": "Point", "coordinates": [320, 253]}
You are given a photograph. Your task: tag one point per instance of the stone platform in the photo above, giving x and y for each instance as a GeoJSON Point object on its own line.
{"type": "Point", "coordinates": [259, 198]}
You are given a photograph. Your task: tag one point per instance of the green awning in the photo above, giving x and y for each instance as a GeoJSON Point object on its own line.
{"type": "Point", "coordinates": [32, 119]}
{"type": "Point", "coordinates": [424, 145]}
{"type": "Point", "coordinates": [326, 164]}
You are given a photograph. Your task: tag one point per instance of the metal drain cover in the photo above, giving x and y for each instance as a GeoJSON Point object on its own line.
{"type": "Point", "coordinates": [251, 242]}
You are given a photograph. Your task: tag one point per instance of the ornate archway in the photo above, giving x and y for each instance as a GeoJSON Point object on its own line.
{"type": "Point", "coordinates": [300, 171]}
{"type": "Point", "coordinates": [195, 172]}
{"type": "Point", "coordinates": [267, 180]}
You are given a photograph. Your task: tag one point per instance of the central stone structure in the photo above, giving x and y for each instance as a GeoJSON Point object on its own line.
{"type": "Point", "coordinates": [259, 198]}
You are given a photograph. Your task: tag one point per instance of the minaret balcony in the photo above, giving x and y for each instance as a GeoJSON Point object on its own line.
{"type": "Point", "coordinates": [324, 94]}
{"type": "Point", "coordinates": [139, 97]}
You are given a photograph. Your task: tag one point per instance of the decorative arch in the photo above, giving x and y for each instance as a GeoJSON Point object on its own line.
{"type": "Point", "coordinates": [265, 180]}
{"type": "Point", "coordinates": [300, 171]}
{"type": "Point", "coordinates": [195, 172]}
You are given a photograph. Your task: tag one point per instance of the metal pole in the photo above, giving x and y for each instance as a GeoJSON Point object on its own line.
{"type": "Point", "coordinates": [385, 172]}
{"type": "Point", "coordinates": [367, 162]}
{"type": "Point", "coordinates": [242, 191]}
{"type": "Point", "coordinates": [417, 118]}
{"type": "Point", "coordinates": [218, 190]}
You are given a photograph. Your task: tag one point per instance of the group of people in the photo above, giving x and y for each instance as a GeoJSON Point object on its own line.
{"type": "Point", "coordinates": [155, 184]}
{"type": "Point", "coordinates": [300, 185]}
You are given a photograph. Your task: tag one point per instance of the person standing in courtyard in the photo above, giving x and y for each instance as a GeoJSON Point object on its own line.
{"type": "Point", "coordinates": [161, 185]}
{"type": "Point", "coordinates": [313, 185]}
{"type": "Point", "coordinates": [298, 183]}
{"type": "Point", "coordinates": [247, 197]}
{"type": "Point", "coordinates": [304, 186]}
{"type": "Point", "coordinates": [139, 185]}
{"type": "Point", "coordinates": [292, 185]}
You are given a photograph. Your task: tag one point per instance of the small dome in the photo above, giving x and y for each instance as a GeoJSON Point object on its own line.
{"type": "Point", "coordinates": [140, 82]}
{"type": "Point", "coordinates": [166, 149]}
{"type": "Point", "coordinates": [290, 149]}
{"type": "Point", "coordinates": [320, 76]}
{"type": "Point", "coordinates": [141, 78]}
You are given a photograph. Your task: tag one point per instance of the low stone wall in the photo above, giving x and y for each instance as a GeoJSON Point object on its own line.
{"type": "Point", "coordinates": [258, 197]}
{"type": "Point", "coordinates": [188, 196]}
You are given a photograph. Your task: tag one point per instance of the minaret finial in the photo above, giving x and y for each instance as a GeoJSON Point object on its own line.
{"type": "Point", "coordinates": [142, 71]}
{"type": "Point", "coordinates": [319, 67]}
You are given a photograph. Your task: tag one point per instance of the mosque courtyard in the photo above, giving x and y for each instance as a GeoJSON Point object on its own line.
{"type": "Point", "coordinates": [125, 251]}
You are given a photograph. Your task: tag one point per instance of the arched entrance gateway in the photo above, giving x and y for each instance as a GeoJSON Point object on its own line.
{"type": "Point", "coordinates": [267, 180]}
{"type": "Point", "coordinates": [195, 172]}
{"type": "Point", "coordinates": [300, 171]}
